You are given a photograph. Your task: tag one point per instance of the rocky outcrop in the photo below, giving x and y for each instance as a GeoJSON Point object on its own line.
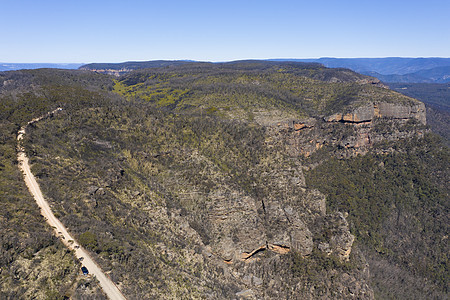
{"type": "Point", "coordinates": [242, 229]}
{"type": "Point", "coordinates": [296, 124]}
{"type": "Point", "coordinates": [373, 81]}
{"type": "Point", "coordinates": [350, 133]}
{"type": "Point", "coordinates": [341, 240]}
{"type": "Point", "coordinates": [371, 111]}
{"type": "Point", "coordinates": [398, 111]}
{"type": "Point", "coordinates": [360, 114]}
{"type": "Point", "coordinates": [113, 72]}
{"type": "Point", "coordinates": [256, 240]}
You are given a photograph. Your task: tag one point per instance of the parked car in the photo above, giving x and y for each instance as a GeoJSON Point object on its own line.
{"type": "Point", "coordinates": [84, 270]}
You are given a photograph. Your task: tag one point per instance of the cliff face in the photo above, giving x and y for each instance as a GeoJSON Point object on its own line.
{"type": "Point", "coordinates": [241, 227]}
{"type": "Point", "coordinates": [354, 132]}
{"type": "Point", "coordinates": [254, 237]}
{"type": "Point", "coordinates": [371, 111]}
{"type": "Point", "coordinates": [114, 72]}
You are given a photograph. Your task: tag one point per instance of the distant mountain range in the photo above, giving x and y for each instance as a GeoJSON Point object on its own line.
{"type": "Point", "coordinates": [134, 65]}
{"type": "Point", "coordinates": [392, 69]}
{"type": "Point", "coordinates": [384, 66]}
{"type": "Point", "coordinates": [388, 69]}
{"type": "Point", "coordinates": [434, 75]}
{"type": "Point", "coordinates": [20, 66]}
{"type": "Point", "coordinates": [118, 69]}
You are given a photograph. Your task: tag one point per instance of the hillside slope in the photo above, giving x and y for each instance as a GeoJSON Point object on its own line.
{"type": "Point", "coordinates": [33, 263]}
{"type": "Point", "coordinates": [220, 180]}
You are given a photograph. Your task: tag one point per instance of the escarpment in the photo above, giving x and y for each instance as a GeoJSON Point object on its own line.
{"type": "Point", "coordinates": [112, 72]}
{"type": "Point", "coordinates": [371, 111]}
{"type": "Point", "coordinates": [298, 221]}
{"type": "Point", "coordinates": [228, 181]}
{"type": "Point", "coordinates": [351, 133]}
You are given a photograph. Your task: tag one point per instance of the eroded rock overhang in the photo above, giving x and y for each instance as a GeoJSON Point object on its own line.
{"type": "Point", "coordinates": [371, 111]}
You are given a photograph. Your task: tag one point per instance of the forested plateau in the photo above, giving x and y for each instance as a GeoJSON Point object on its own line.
{"type": "Point", "coordinates": [241, 180]}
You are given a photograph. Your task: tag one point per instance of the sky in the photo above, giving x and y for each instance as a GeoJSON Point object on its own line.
{"type": "Point", "coordinates": [69, 31]}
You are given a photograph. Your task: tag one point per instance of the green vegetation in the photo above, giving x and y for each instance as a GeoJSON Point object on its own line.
{"type": "Point", "coordinates": [396, 202]}
{"type": "Point", "coordinates": [314, 266]}
{"type": "Point", "coordinates": [162, 171]}
{"type": "Point", "coordinates": [240, 89]}
{"type": "Point", "coordinates": [33, 262]}
{"type": "Point", "coordinates": [144, 162]}
{"type": "Point", "coordinates": [88, 240]}
{"type": "Point", "coordinates": [430, 93]}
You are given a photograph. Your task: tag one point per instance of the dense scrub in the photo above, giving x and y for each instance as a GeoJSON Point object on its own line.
{"type": "Point", "coordinates": [122, 176]}
{"type": "Point", "coordinates": [33, 262]}
{"type": "Point", "coordinates": [164, 172]}
{"type": "Point", "coordinates": [261, 91]}
{"type": "Point", "coordinates": [398, 207]}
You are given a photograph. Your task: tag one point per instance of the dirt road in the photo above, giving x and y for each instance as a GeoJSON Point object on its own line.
{"type": "Point", "coordinates": [110, 289]}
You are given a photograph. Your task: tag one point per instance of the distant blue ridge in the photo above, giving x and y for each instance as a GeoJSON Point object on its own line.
{"type": "Point", "coordinates": [387, 69]}
{"type": "Point", "coordinates": [23, 66]}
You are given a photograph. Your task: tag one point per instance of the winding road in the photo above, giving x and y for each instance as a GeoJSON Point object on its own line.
{"type": "Point", "coordinates": [110, 289]}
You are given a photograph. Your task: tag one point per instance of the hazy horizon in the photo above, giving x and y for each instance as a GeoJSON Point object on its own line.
{"type": "Point", "coordinates": [217, 61]}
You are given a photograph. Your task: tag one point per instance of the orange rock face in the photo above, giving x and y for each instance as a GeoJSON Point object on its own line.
{"type": "Point", "coordinates": [299, 126]}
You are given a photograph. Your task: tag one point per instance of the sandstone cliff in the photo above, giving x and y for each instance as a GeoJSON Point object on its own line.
{"type": "Point", "coordinates": [113, 72]}
{"type": "Point", "coordinates": [352, 132]}
{"type": "Point", "coordinates": [370, 111]}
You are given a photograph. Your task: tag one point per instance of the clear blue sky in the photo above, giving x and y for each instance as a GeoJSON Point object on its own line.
{"type": "Point", "coordinates": [80, 31]}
